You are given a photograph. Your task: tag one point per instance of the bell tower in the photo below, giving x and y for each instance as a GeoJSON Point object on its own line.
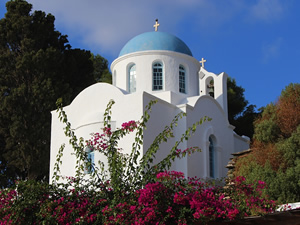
{"type": "Point", "coordinates": [215, 86]}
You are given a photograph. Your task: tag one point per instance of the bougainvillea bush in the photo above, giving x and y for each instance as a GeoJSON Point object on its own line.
{"type": "Point", "coordinates": [132, 190]}
{"type": "Point", "coordinates": [169, 199]}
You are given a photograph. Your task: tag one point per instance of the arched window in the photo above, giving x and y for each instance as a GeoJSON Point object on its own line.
{"type": "Point", "coordinates": [132, 79]}
{"type": "Point", "coordinates": [90, 160]}
{"type": "Point", "coordinates": [157, 76]}
{"type": "Point", "coordinates": [210, 87]}
{"type": "Point", "coordinates": [211, 158]}
{"type": "Point", "coordinates": [182, 79]}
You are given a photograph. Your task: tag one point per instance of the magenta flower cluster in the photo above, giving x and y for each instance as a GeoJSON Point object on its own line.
{"type": "Point", "coordinates": [169, 199]}
{"type": "Point", "coordinates": [172, 199]}
{"type": "Point", "coordinates": [129, 126]}
{"type": "Point", "coordinates": [99, 141]}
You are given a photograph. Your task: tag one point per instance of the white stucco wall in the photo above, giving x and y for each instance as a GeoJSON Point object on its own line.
{"type": "Point", "coordinates": [241, 142]}
{"type": "Point", "coordinates": [218, 127]}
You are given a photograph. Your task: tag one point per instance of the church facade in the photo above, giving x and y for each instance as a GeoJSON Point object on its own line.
{"type": "Point", "coordinates": [157, 66]}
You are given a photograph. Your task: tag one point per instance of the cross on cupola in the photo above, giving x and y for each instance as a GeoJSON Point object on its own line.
{"type": "Point", "coordinates": [156, 25]}
{"type": "Point", "coordinates": [202, 62]}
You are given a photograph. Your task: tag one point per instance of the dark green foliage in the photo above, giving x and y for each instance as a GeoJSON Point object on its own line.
{"type": "Point", "coordinates": [236, 100]}
{"type": "Point", "coordinates": [37, 66]}
{"type": "Point", "coordinates": [290, 148]}
{"type": "Point", "coordinates": [240, 113]}
{"type": "Point", "coordinates": [266, 129]}
{"type": "Point", "coordinates": [30, 194]}
{"type": "Point", "coordinates": [7, 173]}
{"type": "Point", "coordinates": [101, 72]}
{"type": "Point", "coordinates": [244, 124]}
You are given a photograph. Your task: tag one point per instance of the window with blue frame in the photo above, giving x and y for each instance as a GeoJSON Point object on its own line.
{"type": "Point", "coordinates": [90, 160]}
{"type": "Point", "coordinates": [157, 76]}
{"type": "Point", "coordinates": [132, 79]}
{"type": "Point", "coordinates": [182, 79]}
{"type": "Point", "coordinates": [211, 158]}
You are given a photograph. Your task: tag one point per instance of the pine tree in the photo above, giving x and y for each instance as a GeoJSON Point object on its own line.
{"type": "Point", "coordinates": [37, 66]}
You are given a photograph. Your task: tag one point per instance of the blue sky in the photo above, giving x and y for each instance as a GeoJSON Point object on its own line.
{"type": "Point", "coordinates": [256, 42]}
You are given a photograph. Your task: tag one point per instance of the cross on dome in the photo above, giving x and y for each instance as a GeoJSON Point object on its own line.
{"type": "Point", "coordinates": [156, 25]}
{"type": "Point", "coordinates": [202, 62]}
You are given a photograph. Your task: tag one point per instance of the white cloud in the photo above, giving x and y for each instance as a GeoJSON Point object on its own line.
{"type": "Point", "coordinates": [108, 25]}
{"type": "Point", "coordinates": [104, 24]}
{"type": "Point", "coordinates": [267, 10]}
{"type": "Point", "coordinates": [272, 50]}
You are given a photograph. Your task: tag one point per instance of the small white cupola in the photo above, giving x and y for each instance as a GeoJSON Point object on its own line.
{"type": "Point", "coordinates": [215, 86]}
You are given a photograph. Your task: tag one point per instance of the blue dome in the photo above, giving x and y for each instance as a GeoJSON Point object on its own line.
{"type": "Point", "coordinates": [155, 41]}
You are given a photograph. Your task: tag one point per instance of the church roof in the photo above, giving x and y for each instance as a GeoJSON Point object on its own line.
{"type": "Point", "coordinates": [155, 41]}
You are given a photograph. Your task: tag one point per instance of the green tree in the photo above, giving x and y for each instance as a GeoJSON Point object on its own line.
{"type": "Point", "coordinates": [38, 66]}
{"type": "Point", "coordinates": [236, 99]}
{"type": "Point", "coordinates": [241, 114]}
{"type": "Point", "coordinates": [7, 173]}
{"type": "Point", "coordinates": [266, 127]}
{"type": "Point", "coordinates": [276, 148]}
{"type": "Point", "coordinates": [101, 72]}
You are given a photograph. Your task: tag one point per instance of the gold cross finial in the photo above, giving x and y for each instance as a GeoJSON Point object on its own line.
{"type": "Point", "coordinates": [202, 62]}
{"type": "Point", "coordinates": [156, 25]}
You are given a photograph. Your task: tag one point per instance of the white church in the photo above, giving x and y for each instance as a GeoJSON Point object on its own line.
{"type": "Point", "coordinates": [156, 66]}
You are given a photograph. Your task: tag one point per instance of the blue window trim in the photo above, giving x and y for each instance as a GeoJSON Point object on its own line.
{"type": "Point", "coordinates": [90, 162]}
